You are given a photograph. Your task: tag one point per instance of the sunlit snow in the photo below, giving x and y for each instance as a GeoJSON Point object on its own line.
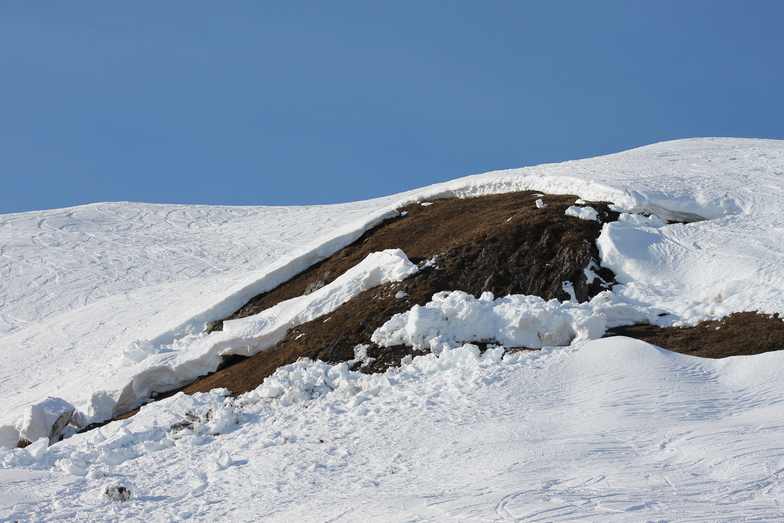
{"type": "Point", "coordinates": [108, 298]}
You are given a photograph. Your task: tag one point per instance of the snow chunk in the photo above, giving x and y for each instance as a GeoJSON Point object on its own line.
{"type": "Point", "coordinates": [430, 263]}
{"type": "Point", "coordinates": [454, 318]}
{"type": "Point", "coordinates": [591, 275]}
{"type": "Point", "coordinates": [568, 288]}
{"type": "Point", "coordinates": [540, 204]}
{"type": "Point", "coordinates": [38, 449]}
{"type": "Point", "coordinates": [584, 213]}
{"type": "Point", "coordinates": [361, 356]}
{"type": "Point", "coordinates": [223, 462]}
{"type": "Point", "coordinates": [45, 419]}
{"type": "Point", "coordinates": [640, 220]}
{"type": "Point", "coordinates": [270, 326]}
{"type": "Point", "coordinates": [9, 436]}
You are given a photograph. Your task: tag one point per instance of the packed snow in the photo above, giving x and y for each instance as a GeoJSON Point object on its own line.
{"type": "Point", "coordinates": [583, 212]}
{"type": "Point", "coordinates": [604, 430]}
{"type": "Point", "coordinates": [102, 304]}
{"type": "Point", "coordinates": [513, 321]}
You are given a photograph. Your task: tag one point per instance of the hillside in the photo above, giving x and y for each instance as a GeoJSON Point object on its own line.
{"type": "Point", "coordinates": [502, 244]}
{"type": "Point", "coordinates": [374, 360]}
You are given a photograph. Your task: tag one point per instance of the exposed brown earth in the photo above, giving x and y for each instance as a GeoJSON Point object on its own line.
{"type": "Point", "coordinates": [740, 334]}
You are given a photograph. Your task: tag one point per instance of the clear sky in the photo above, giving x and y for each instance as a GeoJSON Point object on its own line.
{"type": "Point", "coordinates": [289, 103]}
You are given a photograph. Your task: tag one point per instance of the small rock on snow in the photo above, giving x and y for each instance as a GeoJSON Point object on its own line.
{"type": "Point", "coordinates": [116, 492]}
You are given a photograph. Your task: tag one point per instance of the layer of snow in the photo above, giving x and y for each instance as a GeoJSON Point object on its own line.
{"type": "Point", "coordinates": [89, 287]}
{"type": "Point", "coordinates": [114, 297]}
{"type": "Point", "coordinates": [46, 420]}
{"type": "Point", "coordinates": [607, 430]}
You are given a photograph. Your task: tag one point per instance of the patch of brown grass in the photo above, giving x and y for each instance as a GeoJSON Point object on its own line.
{"type": "Point", "coordinates": [740, 334]}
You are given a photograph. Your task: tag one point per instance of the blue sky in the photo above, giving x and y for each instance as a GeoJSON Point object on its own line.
{"type": "Point", "coordinates": [293, 103]}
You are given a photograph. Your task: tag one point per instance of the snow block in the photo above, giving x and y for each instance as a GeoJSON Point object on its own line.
{"type": "Point", "coordinates": [9, 436]}
{"type": "Point", "coordinates": [45, 419]}
{"type": "Point", "coordinates": [584, 213]}
{"type": "Point", "coordinates": [37, 450]}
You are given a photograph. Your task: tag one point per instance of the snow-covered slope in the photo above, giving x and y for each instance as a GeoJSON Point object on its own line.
{"type": "Point", "coordinates": [95, 297]}
{"type": "Point", "coordinates": [612, 430]}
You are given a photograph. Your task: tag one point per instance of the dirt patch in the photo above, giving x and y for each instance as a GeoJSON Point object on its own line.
{"type": "Point", "coordinates": [740, 334]}
{"type": "Point", "coordinates": [503, 244]}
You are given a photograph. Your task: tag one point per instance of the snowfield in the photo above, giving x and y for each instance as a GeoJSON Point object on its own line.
{"type": "Point", "coordinates": [605, 431]}
{"type": "Point", "coordinates": [101, 304]}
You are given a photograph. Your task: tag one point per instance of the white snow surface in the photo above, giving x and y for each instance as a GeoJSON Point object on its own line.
{"type": "Point", "coordinates": [101, 304]}
{"type": "Point", "coordinates": [607, 430]}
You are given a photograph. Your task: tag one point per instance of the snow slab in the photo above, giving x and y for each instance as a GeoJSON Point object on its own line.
{"type": "Point", "coordinates": [606, 430]}
{"type": "Point", "coordinates": [86, 288]}
{"type": "Point", "coordinates": [46, 420]}
{"type": "Point", "coordinates": [584, 213]}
